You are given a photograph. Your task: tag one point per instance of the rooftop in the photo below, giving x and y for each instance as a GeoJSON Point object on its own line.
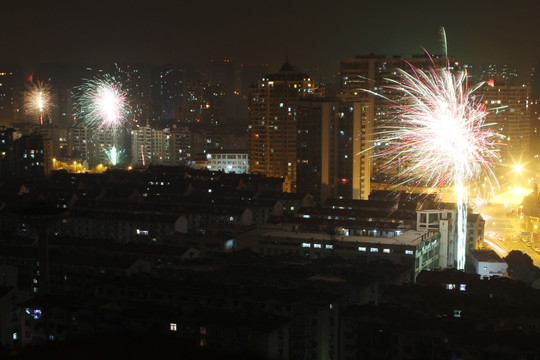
{"type": "Point", "coordinates": [486, 256]}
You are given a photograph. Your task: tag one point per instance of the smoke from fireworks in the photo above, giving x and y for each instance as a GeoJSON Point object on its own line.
{"type": "Point", "coordinates": [441, 138]}
{"type": "Point", "coordinates": [37, 100]}
{"type": "Point", "coordinates": [102, 103]}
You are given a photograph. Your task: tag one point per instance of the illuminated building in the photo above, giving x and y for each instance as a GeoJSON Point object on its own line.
{"type": "Point", "coordinates": [418, 249]}
{"type": "Point", "coordinates": [273, 107]}
{"type": "Point", "coordinates": [79, 142]}
{"type": "Point", "coordinates": [167, 91]}
{"type": "Point", "coordinates": [227, 161]}
{"type": "Point", "coordinates": [91, 145]}
{"type": "Point", "coordinates": [10, 86]}
{"type": "Point", "coordinates": [169, 146]}
{"type": "Point", "coordinates": [33, 156]}
{"type": "Point", "coordinates": [333, 141]}
{"type": "Point", "coordinates": [6, 151]}
{"type": "Point", "coordinates": [504, 72]}
{"type": "Point", "coordinates": [509, 112]}
{"type": "Point", "coordinates": [204, 103]}
{"type": "Point", "coordinates": [444, 221]}
{"type": "Point", "coordinates": [137, 78]}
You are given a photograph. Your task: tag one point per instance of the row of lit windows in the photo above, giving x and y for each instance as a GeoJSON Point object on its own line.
{"type": "Point", "coordinates": [360, 248]}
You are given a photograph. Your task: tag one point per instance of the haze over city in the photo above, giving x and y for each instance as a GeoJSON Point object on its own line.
{"type": "Point", "coordinates": [315, 35]}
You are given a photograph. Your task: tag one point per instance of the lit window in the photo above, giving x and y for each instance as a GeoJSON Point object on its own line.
{"type": "Point", "coordinates": [373, 250]}
{"type": "Point", "coordinates": [173, 327]}
{"type": "Point", "coordinates": [317, 246]}
{"type": "Point", "coordinates": [306, 245]}
{"type": "Point", "coordinates": [409, 252]}
{"type": "Point", "coordinates": [386, 251]}
{"type": "Point", "coordinates": [361, 248]}
{"type": "Point", "coordinates": [329, 246]}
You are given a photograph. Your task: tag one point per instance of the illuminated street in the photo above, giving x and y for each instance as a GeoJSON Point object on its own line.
{"type": "Point", "coordinates": [506, 229]}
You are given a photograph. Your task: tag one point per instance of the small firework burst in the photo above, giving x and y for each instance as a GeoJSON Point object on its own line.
{"type": "Point", "coordinates": [38, 100]}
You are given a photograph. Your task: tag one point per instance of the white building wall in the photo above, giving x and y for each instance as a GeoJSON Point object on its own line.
{"type": "Point", "coordinates": [488, 269]}
{"type": "Point", "coordinates": [442, 221]}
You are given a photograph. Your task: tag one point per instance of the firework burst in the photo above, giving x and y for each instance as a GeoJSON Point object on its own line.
{"type": "Point", "coordinates": [440, 138]}
{"type": "Point", "coordinates": [38, 100]}
{"type": "Point", "coordinates": [102, 103]}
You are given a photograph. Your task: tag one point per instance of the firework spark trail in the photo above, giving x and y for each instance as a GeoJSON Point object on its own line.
{"type": "Point", "coordinates": [102, 103]}
{"type": "Point", "coordinates": [142, 155]}
{"type": "Point", "coordinates": [113, 154]}
{"type": "Point", "coordinates": [441, 138]}
{"type": "Point", "coordinates": [38, 99]}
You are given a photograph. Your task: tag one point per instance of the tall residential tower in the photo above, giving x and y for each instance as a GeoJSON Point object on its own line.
{"type": "Point", "coordinates": [272, 123]}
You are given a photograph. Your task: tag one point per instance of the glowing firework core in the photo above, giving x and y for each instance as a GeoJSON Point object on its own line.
{"type": "Point", "coordinates": [109, 105]}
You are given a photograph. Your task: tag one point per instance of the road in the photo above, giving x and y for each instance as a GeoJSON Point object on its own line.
{"type": "Point", "coordinates": [506, 231]}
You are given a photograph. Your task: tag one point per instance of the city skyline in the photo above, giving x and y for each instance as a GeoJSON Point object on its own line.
{"type": "Point", "coordinates": [312, 37]}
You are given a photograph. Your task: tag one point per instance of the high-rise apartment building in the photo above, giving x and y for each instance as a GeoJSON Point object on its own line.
{"type": "Point", "coordinates": [509, 111]}
{"type": "Point", "coordinates": [534, 105]}
{"type": "Point", "coordinates": [204, 103]}
{"type": "Point", "coordinates": [504, 73]}
{"type": "Point", "coordinates": [10, 88]}
{"type": "Point", "coordinates": [33, 156]}
{"type": "Point", "coordinates": [334, 139]}
{"type": "Point", "coordinates": [167, 91]}
{"type": "Point", "coordinates": [137, 80]}
{"type": "Point", "coordinates": [273, 112]}
{"type": "Point", "coordinates": [7, 137]}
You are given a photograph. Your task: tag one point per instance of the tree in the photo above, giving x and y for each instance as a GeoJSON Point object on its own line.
{"type": "Point", "coordinates": [520, 267]}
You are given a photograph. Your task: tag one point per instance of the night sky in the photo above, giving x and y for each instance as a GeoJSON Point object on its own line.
{"type": "Point", "coordinates": [315, 34]}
